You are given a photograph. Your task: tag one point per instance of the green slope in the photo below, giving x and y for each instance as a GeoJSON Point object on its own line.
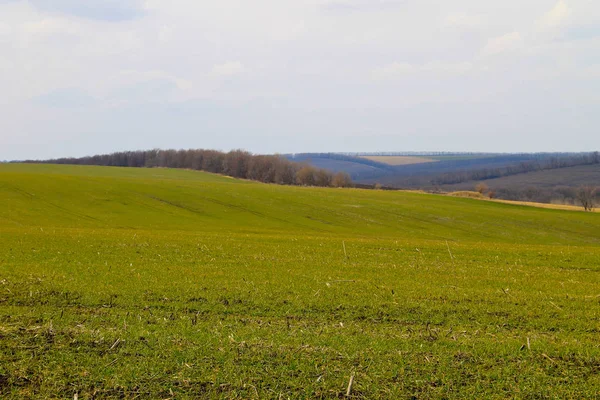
{"type": "Point", "coordinates": [162, 199]}
{"type": "Point", "coordinates": [155, 283]}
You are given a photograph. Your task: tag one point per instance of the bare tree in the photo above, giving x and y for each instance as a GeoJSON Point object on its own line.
{"type": "Point", "coordinates": [586, 196]}
{"type": "Point", "coordinates": [306, 176]}
{"type": "Point", "coordinates": [323, 178]}
{"type": "Point", "coordinates": [285, 172]}
{"type": "Point", "coordinates": [482, 187]}
{"type": "Point", "coordinates": [235, 163]}
{"type": "Point", "coordinates": [341, 179]}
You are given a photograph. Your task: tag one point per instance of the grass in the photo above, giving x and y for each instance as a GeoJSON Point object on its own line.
{"type": "Point", "coordinates": [155, 283]}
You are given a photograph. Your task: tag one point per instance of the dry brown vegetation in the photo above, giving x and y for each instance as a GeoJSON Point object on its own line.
{"type": "Point", "coordinates": [466, 193]}
{"type": "Point", "coordinates": [477, 195]}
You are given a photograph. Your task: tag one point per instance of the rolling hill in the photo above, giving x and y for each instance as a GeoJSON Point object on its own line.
{"type": "Point", "coordinates": [160, 283]}
{"type": "Point", "coordinates": [567, 177]}
{"type": "Point", "coordinates": [163, 199]}
{"type": "Point", "coordinates": [541, 178]}
{"type": "Point", "coordinates": [416, 171]}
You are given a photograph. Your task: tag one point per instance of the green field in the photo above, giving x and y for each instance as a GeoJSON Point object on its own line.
{"type": "Point", "coordinates": [156, 283]}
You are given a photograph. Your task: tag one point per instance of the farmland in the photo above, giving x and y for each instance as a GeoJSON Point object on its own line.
{"type": "Point", "coordinates": [400, 160]}
{"type": "Point", "coordinates": [568, 177]}
{"type": "Point", "coordinates": [535, 177]}
{"type": "Point", "coordinates": [160, 283]}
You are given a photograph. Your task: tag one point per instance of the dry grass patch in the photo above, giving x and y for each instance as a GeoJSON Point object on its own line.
{"type": "Point", "coordinates": [469, 194]}
{"type": "Point", "coordinates": [544, 205]}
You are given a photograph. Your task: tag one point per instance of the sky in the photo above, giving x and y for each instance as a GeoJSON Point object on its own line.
{"type": "Point", "coordinates": [281, 76]}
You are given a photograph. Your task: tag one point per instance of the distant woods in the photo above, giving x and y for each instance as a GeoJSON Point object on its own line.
{"type": "Point", "coordinates": [237, 164]}
{"type": "Point", "coordinates": [515, 169]}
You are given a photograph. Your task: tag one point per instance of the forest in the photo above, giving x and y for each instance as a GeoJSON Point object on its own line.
{"type": "Point", "coordinates": [515, 169]}
{"type": "Point", "coordinates": [236, 163]}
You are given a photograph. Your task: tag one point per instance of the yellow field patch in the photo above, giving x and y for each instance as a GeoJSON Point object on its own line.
{"type": "Point", "coordinates": [480, 196]}
{"type": "Point", "coordinates": [545, 205]}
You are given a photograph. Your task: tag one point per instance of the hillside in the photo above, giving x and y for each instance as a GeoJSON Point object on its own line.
{"type": "Point", "coordinates": [358, 167]}
{"type": "Point", "coordinates": [97, 197]}
{"type": "Point", "coordinates": [543, 177]}
{"type": "Point", "coordinates": [550, 186]}
{"type": "Point", "coordinates": [567, 177]}
{"type": "Point", "coordinates": [174, 284]}
{"type": "Point", "coordinates": [414, 171]}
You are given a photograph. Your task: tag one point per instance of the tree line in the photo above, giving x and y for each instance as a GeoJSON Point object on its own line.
{"type": "Point", "coordinates": [236, 163]}
{"type": "Point", "coordinates": [586, 196]}
{"type": "Point", "coordinates": [520, 168]}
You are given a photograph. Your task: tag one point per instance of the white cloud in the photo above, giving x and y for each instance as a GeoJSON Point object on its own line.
{"type": "Point", "coordinates": [502, 44]}
{"type": "Point", "coordinates": [50, 26]}
{"type": "Point", "coordinates": [107, 10]}
{"type": "Point", "coordinates": [164, 34]}
{"type": "Point", "coordinates": [393, 71]}
{"type": "Point", "coordinates": [131, 87]}
{"type": "Point", "coordinates": [448, 68]}
{"type": "Point", "coordinates": [464, 21]}
{"type": "Point", "coordinates": [309, 55]}
{"type": "Point", "coordinates": [590, 72]}
{"type": "Point", "coordinates": [556, 17]}
{"type": "Point", "coordinates": [5, 29]}
{"type": "Point", "coordinates": [399, 70]}
{"type": "Point", "coordinates": [65, 98]}
{"type": "Point", "coordinates": [228, 69]}
{"type": "Point", "coordinates": [363, 5]}
{"type": "Point", "coordinates": [138, 76]}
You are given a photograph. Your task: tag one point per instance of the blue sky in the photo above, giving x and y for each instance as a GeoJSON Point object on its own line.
{"type": "Point", "coordinates": [269, 76]}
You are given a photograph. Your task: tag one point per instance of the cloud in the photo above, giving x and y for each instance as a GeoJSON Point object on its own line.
{"type": "Point", "coordinates": [5, 30]}
{"type": "Point", "coordinates": [153, 90]}
{"type": "Point", "coordinates": [344, 6]}
{"type": "Point", "coordinates": [463, 21]}
{"type": "Point", "coordinates": [50, 26]}
{"type": "Point", "coordinates": [106, 10]}
{"type": "Point", "coordinates": [502, 44]}
{"type": "Point", "coordinates": [556, 17]}
{"type": "Point", "coordinates": [128, 77]}
{"type": "Point", "coordinates": [590, 72]}
{"type": "Point", "coordinates": [393, 71]}
{"type": "Point", "coordinates": [164, 34]}
{"type": "Point", "coordinates": [448, 68]}
{"type": "Point", "coordinates": [228, 69]}
{"type": "Point", "coordinates": [333, 58]}
{"type": "Point", "coordinates": [130, 87]}
{"type": "Point", "coordinates": [581, 32]}
{"type": "Point", "coordinates": [398, 70]}
{"type": "Point", "coordinates": [65, 98]}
